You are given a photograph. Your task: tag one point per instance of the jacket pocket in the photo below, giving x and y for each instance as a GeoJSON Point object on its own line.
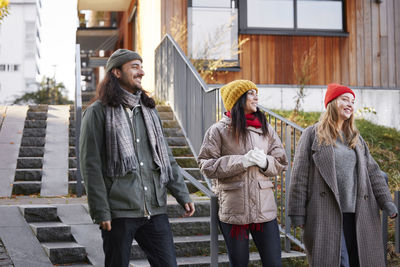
{"type": "Point", "coordinates": [124, 194]}
{"type": "Point", "coordinates": [161, 192]}
{"type": "Point", "coordinates": [231, 197]}
{"type": "Point", "coordinates": [266, 198]}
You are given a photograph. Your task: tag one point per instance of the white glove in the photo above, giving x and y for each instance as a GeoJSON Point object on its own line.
{"type": "Point", "coordinates": [247, 159]}
{"type": "Point", "coordinates": [258, 157]}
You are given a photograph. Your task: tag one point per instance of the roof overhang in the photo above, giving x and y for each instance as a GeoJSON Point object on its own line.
{"type": "Point", "coordinates": [104, 5]}
{"type": "Point", "coordinates": [97, 38]}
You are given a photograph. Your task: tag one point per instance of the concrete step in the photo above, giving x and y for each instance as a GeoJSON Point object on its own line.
{"type": "Point", "coordinates": [163, 108]}
{"type": "Point", "coordinates": [202, 210]}
{"type": "Point", "coordinates": [38, 108]}
{"type": "Point", "coordinates": [190, 226]}
{"type": "Point", "coordinates": [39, 213]}
{"type": "Point", "coordinates": [29, 163]}
{"type": "Point", "coordinates": [40, 115]}
{"type": "Point", "coordinates": [176, 141]}
{"type": "Point", "coordinates": [195, 172]}
{"type": "Point", "coordinates": [71, 141]}
{"type": "Point", "coordinates": [173, 132]}
{"type": "Point", "coordinates": [170, 124]}
{"type": "Point", "coordinates": [192, 189]}
{"type": "Point", "coordinates": [72, 163]}
{"type": "Point", "coordinates": [72, 152]}
{"type": "Point", "coordinates": [185, 246]}
{"type": "Point", "coordinates": [34, 132]}
{"type": "Point", "coordinates": [33, 141]}
{"type": "Point", "coordinates": [166, 115]}
{"type": "Point", "coordinates": [72, 188]}
{"type": "Point", "coordinates": [181, 151]}
{"type": "Point", "coordinates": [186, 162]}
{"type": "Point", "coordinates": [65, 252]}
{"type": "Point", "coordinates": [28, 175]}
{"type": "Point", "coordinates": [288, 260]}
{"type": "Point", "coordinates": [35, 124]}
{"type": "Point", "coordinates": [52, 231]}
{"type": "Point", "coordinates": [26, 187]}
{"type": "Point", "coordinates": [71, 130]}
{"type": "Point", "coordinates": [31, 151]}
{"type": "Point", "coordinates": [72, 174]}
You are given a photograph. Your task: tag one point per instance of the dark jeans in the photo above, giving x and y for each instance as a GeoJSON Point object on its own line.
{"type": "Point", "coordinates": [349, 252]}
{"type": "Point", "coordinates": [267, 241]}
{"type": "Point", "coordinates": [153, 235]}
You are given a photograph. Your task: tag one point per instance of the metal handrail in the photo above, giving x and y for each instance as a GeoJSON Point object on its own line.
{"type": "Point", "coordinates": [213, 215]}
{"type": "Point", "coordinates": [78, 116]}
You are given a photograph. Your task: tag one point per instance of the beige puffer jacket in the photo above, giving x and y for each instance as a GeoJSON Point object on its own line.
{"type": "Point", "coordinates": [245, 195]}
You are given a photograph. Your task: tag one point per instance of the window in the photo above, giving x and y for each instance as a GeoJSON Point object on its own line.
{"type": "Point", "coordinates": [9, 67]}
{"type": "Point", "coordinates": [315, 17]}
{"type": "Point", "coordinates": [212, 30]}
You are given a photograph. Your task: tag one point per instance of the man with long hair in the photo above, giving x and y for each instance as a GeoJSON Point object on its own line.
{"type": "Point", "coordinates": [127, 166]}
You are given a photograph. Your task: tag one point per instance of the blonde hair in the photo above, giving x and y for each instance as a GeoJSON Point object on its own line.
{"type": "Point", "coordinates": [327, 128]}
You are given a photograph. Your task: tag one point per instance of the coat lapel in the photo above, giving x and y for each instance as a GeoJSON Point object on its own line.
{"type": "Point", "coordinates": [325, 162]}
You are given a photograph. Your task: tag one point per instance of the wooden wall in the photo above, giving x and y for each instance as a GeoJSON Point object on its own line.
{"type": "Point", "coordinates": [369, 56]}
{"type": "Point", "coordinates": [174, 12]}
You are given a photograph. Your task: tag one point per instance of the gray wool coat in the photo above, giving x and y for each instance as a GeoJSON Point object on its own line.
{"type": "Point", "coordinates": [314, 194]}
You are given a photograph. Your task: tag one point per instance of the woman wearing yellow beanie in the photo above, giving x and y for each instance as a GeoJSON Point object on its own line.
{"type": "Point", "coordinates": [241, 153]}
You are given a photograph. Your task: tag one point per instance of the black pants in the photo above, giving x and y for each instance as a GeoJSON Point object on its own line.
{"type": "Point", "coordinates": [153, 235]}
{"type": "Point", "coordinates": [267, 242]}
{"type": "Point", "coordinates": [349, 251]}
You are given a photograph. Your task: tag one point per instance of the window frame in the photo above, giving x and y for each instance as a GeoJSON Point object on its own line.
{"type": "Point", "coordinates": [244, 29]}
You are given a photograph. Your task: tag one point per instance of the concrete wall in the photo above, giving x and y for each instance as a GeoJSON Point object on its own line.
{"type": "Point", "coordinates": [149, 18]}
{"type": "Point", "coordinates": [386, 102]}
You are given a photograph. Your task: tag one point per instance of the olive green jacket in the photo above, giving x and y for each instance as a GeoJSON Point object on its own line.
{"type": "Point", "coordinates": [138, 193]}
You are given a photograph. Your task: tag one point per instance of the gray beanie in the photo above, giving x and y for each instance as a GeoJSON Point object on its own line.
{"type": "Point", "coordinates": [120, 57]}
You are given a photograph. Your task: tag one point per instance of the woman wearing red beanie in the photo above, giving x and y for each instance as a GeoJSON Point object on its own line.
{"type": "Point", "coordinates": [337, 189]}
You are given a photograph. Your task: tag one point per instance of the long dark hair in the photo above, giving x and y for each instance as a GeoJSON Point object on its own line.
{"type": "Point", "coordinates": [239, 130]}
{"type": "Point", "coordinates": [108, 94]}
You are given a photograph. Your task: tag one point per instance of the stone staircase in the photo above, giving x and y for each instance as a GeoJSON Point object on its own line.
{"type": "Point", "coordinates": [72, 162]}
{"type": "Point", "coordinates": [54, 236]}
{"type": "Point", "coordinates": [192, 241]}
{"type": "Point", "coordinates": [179, 145]}
{"type": "Point", "coordinates": [28, 174]}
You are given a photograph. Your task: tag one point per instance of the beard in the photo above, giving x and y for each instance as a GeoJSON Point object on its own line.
{"type": "Point", "coordinates": [129, 86]}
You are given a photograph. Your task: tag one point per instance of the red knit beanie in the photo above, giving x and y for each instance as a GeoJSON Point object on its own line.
{"type": "Point", "coordinates": [335, 90]}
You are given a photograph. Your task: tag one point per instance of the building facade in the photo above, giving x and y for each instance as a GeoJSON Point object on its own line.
{"type": "Point", "coordinates": [282, 45]}
{"type": "Point", "coordinates": [20, 49]}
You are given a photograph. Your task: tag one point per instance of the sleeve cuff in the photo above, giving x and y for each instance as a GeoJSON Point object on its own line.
{"type": "Point", "coordinates": [390, 208]}
{"type": "Point", "coordinates": [297, 220]}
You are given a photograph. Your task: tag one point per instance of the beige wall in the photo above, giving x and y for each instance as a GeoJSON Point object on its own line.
{"type": "Point", "coordinates": [149, 22]}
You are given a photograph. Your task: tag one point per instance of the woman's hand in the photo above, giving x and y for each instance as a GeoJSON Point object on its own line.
{"type": "Point", "coordinates": [248, 159]}
{"type": "Point", "coordinates": [258, 156]}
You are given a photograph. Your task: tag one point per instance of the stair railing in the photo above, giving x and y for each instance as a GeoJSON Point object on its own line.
{"type": "Point", "coordinates": [78, 117]}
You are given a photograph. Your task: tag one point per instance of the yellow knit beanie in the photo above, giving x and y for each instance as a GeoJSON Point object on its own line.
{"type": "Point", "coordinates": [232, 91]}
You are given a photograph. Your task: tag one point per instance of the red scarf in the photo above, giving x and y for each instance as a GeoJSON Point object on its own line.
{"type": "Point", "coordinates": [251, 120]}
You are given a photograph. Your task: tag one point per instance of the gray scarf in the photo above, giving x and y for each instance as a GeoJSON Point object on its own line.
{"type": "Point", "coordinates": [121, 156]}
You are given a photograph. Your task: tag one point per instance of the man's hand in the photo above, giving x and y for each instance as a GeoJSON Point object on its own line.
{"type": "Point", "coordinates": [189, 208]}
{"type": "Point", "coordinates": [105, 225]}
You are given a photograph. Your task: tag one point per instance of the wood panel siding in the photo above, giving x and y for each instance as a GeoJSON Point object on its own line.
{"type": "Point", "coordinates": [368, 56]}
{"type": "Point", "coordinates": [174, 12]}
